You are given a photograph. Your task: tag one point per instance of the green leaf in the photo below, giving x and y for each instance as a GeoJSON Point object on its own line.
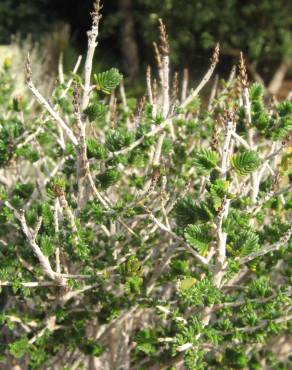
{"type": "Point", "coordinates": [28, 153]}
{"type": "Point", "coordinates": [256, 92]}
{"type": "Point", "coordinates": [218, 190]}
{"type": "Point", "coordinates": [97, 211]}
{"type": "Point", "coordinates": [284, 125]}
{"type": "Point", "coordinates": [250, 243]}
{"type": "Point", "coordinates": [245, 162]}
{"type": "Point", "coordinates": [107, 81]}
{"type": "Point", "coordinates": [206, 160]}
{"type": "Point", "coordinates": [133, 284]}
{"type": "Point", "coordinates": [145, 341]}
{"type": "Point", "coordinates": [95, 149]}
{"type": "Point", "coordinates": [180, 267]}
{"type": "Point", "coordinates": [132, 267]}
{"type": "Point", "coordinates": [260, 287]}
{"type": "Point", "coordinates": [201, 293]}
{"type": "Point", "coordinates": [236, 358]}
{"type": "Point", "coordinates": [47, 245]}
{"type": "Point", "coordinates": [109, 178]}
{"type": "Point", "coordinates": [24, 191]}
{"type": "Point", "coordinates": [18, 103]}
{"type": "Point", "coordinates": [187, 283]}
{"type": "Point", "coordinates": [118, 139]}
{"type": "Point", "coordinates": [284, 108]}
{"type": "Point", "coordinates": [198, 237]}
{"type": "Point", "coordinates": [95, 111]}
{"type": "Point", "coordinates": [189, 212]}
{"type": "Point", "coordinates": [19, 348]}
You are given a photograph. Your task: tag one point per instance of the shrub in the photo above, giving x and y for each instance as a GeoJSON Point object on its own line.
{"type": "Point", "coordinates": [144, 235]}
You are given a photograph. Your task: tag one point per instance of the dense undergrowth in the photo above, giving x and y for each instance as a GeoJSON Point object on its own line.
{"type": "Point", "coordinates": [150, 234]}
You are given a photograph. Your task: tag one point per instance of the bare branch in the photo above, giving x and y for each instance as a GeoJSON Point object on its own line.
{"type": "Point", "coordinates": [255, 181]}
{"type": "Point", "coordinates": [92, 36]}
{"type": "Point", "coordinates": [82, 160]}
{"type": "Point", "coordinates": [71, 218]}
{"type": "Point", "coordinates": [31, 284]}
{"type": "Point", "coordinates": [206, 78]}
{"type": "Point", "coordinates": [31, 237]}
{"type": "Point", "coordinates": [47, 105]}
{"type": "Point", "coordinates": [69, 83]}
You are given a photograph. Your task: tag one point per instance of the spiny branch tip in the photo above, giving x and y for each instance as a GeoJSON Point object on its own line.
{"type": "Point", "coordinates": [96, 13]}
{"type": "Point", "coordinates": [163, 38]}
{"type": "Point", "coordinates": [28, 69]}
{"type": "Point", "coordinates": [242, 71]}
{"type": "Point", "coordinates": [215, 56]}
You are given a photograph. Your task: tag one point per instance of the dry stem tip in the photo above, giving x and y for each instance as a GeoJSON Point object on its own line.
{"type": "Point", "coordinates": [76, 97]}
{"type": "Point", "coordinates": [242, 71]}
{"type": "Point", "coordinates": [96, 13]}
{"type": "Point", "coordinates": [164, 47]}
{"type": "Point", "coordinates": [28, 69]}
{"type": "Point", "coordinates": [215, 56]}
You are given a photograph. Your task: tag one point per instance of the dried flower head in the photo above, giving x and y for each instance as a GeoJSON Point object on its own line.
{"type": "Point", "coordinates": [242, 72]}
{"type": "Point", "coordinates": [215, 56]}
{"type": "Point", "coordinates": [28, 69]}
{"type": "Point", "coordinates": [164, 46]}
{"type": "Point", "coordinates": [96, 13]}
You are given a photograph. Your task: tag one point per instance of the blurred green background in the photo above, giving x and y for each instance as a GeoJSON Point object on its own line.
{"type": "Point", "coordinates": [262, 29]}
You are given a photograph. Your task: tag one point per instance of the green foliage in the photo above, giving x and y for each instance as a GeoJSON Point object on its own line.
{"type": "Point", "coordinates": [245, 162]}
{"type": "Point", "coordinates": [202, 24]}
{"type": "Point", "coordinates": [109, 177]}
{"type": "Point", "coordinates": [46, 245]}
{"type": "Point", "coordinates": [146, 341]}
{"type": "Point", "coordinates": [90, 348]}
{"type": "Point", "coordinates": [105, 253]}
{"type": "Point", "coordinates": [20, 18]}
{"type": "Point", "coordinates": [133, 285]}
{"type": "Point", "coordinates": [198, 237]}
{"type": "Point", "coordinates": [218, 190]}
{"type": "Point", "coordinates": [95, 111]}
{"type": "Point", "coordinates": [206, 160]}
{"type": "Point", "coordinates": [118, 139]}
{"type": "Point", "coordinates": [189, 212]}
{"type": "Point", "coordinates": [202, 293]}
{"type": "Point", "coordinates": [256, 92]}
{"type": "Point", "coordinates": [95, 149]}
{"type": "Point", "coordinates": [236, 358]}
{"type": "Point", "coordinates": [28, 153]}
{"type": "Point", "coordinates": [107, 81]}
{"type": "Point", "coordinates": [260, 117]}
{"type": "Point", "coordinates": [24, 191]}
{"type": "Point", "coordinates": [283, 124]}
{"type": "Point", "coordinates": [260, 287]}
{"type": "Point", "coordinates": [276, 126]}
{"type": "Point", "coordinates": [132, 267]}
{"type": "Point", "coordinates": [245, 242]}
{"type": "Point", "coordinates": [19, 347]}
{"type": "Point", "coordinates": [250, 243]}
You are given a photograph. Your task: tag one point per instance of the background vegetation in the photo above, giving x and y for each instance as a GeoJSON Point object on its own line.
{"type": "Point", "coordinates": [261, 29]}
